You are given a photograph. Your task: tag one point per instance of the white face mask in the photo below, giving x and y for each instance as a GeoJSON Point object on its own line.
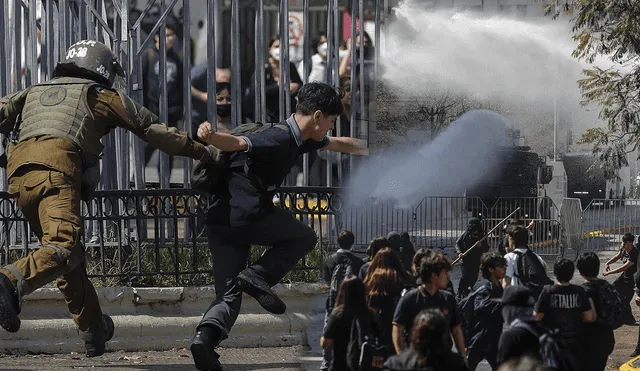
{"type": "Point", "coordinates": [322, 49]}
{"type": "Point", "coordinates": [275, 53]}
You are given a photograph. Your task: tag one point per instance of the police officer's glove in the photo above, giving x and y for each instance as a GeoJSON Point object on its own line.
{"type": "Point", "coordinates": [3, 160]}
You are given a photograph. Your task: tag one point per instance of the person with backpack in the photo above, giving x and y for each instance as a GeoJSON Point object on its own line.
{"type": "Point", "coordinates": [348, 325]}
{"type": "Point", "coordinates": [384, 283]}
{"type": "Point", "coordinates": [624, 284]}
{"type": "Point", "coordinates": [375, 245]}
{"type": "Point", "coordinates": [565, 307]}
{"type": "Point", "coordinates": [339, 265]}
{"type": "Point", "coordinates": [524, 267]}
{"type": "Point", "coordinates": [427, 351]}
{"type": "Point", "coordinates": [471, 261]}
{"type": "Point", "coordinates": [241, 211]}
{"type": "Point", "coordinates": [526, 336]}
{"type": "Point", "coordinates": [482, 313]}
{"type": "Point", "coordinates": [599, 340]}
{"type": "Point", "coordinates": [434, 272]}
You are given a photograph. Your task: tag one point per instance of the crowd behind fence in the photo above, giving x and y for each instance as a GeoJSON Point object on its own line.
{"type": "Point", "coordinates": [35, 35]}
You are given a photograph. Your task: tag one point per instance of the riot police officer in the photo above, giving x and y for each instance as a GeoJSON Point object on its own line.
{"type": "Point", "coordinates": [53, 162]}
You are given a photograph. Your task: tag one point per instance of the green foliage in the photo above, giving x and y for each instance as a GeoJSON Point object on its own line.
{"type": "Point", "coordinates": [138, 268]}
{"type": "Point", "coordinates": [608, 29]}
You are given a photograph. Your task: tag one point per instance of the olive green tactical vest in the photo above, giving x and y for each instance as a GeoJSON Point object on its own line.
{"type": "Point", "coordinates": [59, 108]}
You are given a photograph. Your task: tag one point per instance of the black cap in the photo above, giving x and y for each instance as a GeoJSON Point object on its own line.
{"type": "Point", "coordinates": [518, 296]}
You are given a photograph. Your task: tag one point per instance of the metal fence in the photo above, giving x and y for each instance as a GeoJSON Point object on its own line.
{"type": "Point", "coordinates": [605, 221]}
{"type": "Point", "coordinates": [35, 35]}
{"type": "Point", "coordinates": [147, 237]}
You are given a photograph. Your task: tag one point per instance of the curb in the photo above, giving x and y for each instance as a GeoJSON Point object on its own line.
{"type": "Point", "coordinates": [160, 319]}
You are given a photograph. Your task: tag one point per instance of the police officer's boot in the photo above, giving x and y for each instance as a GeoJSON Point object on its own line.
{"type": "Point", "coordinates": [96, 337]}
{"type": "Point", "coordinates": [203, 348]}
{"type": "Point", "coordinates": [254, 285]}
{"type": "Point", "coordinates": [9, 305]}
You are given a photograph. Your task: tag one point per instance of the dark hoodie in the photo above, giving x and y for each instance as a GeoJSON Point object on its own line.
{"type": "Point", "coordinates": [395, 241]}
{"type": "Point", "coordinates": [466, 241]}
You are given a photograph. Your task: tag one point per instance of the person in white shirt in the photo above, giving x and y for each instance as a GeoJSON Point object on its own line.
{"type": "Point", "coordinates": [518, 245]}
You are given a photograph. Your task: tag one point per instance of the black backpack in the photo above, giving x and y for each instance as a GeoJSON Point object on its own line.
{"type": "Point", "coordinates": [340, 272]}
{"type": "Point", "coordinates": [365, 351]}
{"type": "Point", "coordinates": [553, 351]}
{"type": "Point", "coordinates": [206, 176]}
{"type": "Point", "coordinates": [610, 305]}
{"type": "Point", "coordinates": [466, 306]}
{"type": "Point", "coordinates": [530, 272]}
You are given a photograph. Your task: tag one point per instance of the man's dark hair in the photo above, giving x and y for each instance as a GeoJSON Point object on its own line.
{"type": "Point", "coordinates": [563, 269]}
{"type": "Point", "coordinates": [318, 96]}
{"type": "Point", "coordinates": [628, 237]}
{"type": "Point", "coordinates": [346, 240]}
{"type": "Point", "coordinates": [520, 235]}
{"type": "Point", "coordinates": [588, 264]}
{"type": "Point", "coordinates": [491, 260]}
{"type": "Point", "coordinates": [433, 265]}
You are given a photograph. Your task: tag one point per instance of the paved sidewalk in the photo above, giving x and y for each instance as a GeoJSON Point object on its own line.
{"type": "Point", "coordinates": [178, 359]}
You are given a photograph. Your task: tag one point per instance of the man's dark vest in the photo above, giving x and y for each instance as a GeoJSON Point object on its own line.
{"type": "Point", "coordinates": [59, 108]}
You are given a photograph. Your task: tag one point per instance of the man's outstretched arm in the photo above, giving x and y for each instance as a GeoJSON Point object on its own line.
{"type": "Point", "coordinates": [348, 145]}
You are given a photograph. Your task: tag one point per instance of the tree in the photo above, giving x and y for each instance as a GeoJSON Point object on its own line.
{"type": "Point", "coordinates": [609, 29]}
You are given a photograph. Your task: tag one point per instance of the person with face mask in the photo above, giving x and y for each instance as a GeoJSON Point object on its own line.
{"type": "Point", "coordinates": [272, 83]}
{"type": "Point", "coordinates": [199, 94]}
{"type": "Point", "coordinates": [318, 60]}
{"type": "Point", "coordinates": [368, 56]}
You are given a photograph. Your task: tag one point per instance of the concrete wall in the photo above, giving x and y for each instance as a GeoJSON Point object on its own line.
{"type": "Point", "coordinates": [163, 318]}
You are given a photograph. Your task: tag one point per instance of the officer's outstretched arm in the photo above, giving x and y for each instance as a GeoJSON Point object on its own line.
{"type": "Point", "coordinates": [146, 125]}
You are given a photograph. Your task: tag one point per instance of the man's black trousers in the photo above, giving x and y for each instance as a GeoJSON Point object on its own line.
{"type": "Point", "coordinates": [290, 240]}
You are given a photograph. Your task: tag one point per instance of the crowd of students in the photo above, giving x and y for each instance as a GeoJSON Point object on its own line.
{"type": "Point", "coordinates": [399, 310]}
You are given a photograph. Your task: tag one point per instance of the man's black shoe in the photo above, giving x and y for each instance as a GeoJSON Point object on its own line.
{"type": "Point", "coordinates": [635, 353]}
{"type": "Point", "coordinates": [203, 348]}
{"type": "Point", "coordinates": [256, 287]}
{"type": "Point", "coordinates": [9, 305]}
{"type": "Point", "coordinates": [96, 337]}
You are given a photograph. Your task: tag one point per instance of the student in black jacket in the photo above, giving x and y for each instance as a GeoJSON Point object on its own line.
{"type": "Point", "coordinates": [486, 325]}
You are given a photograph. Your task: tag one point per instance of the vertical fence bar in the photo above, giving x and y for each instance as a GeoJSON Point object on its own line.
{"type": "Point", "coordinates": [287, 63]}
{"type": "Point", "coordinates": [306, 62]}
{"type": "Point", "coordinates": [17, 24]}
{"type": "Point", "coordinates": [186, 91]}
{"type": "Point", "coordinates": [261, 59]}
{"type": "Point", "coordinates": [4, 81]}
{"type": "Point", "coordinates": [236, 66]}
{"type": "Point", "coordinates": [258, 43]}
{"type": "Point", "coordinates": [164, 174]}
{"type": "Point", "coordinates": [32, 67]}
{"type": "Point", "coordinates": [282, 29]}
{"type": "Point", "coordinates": [211, 63]}
{"type": "Point", "coordinates": [352, 82]}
